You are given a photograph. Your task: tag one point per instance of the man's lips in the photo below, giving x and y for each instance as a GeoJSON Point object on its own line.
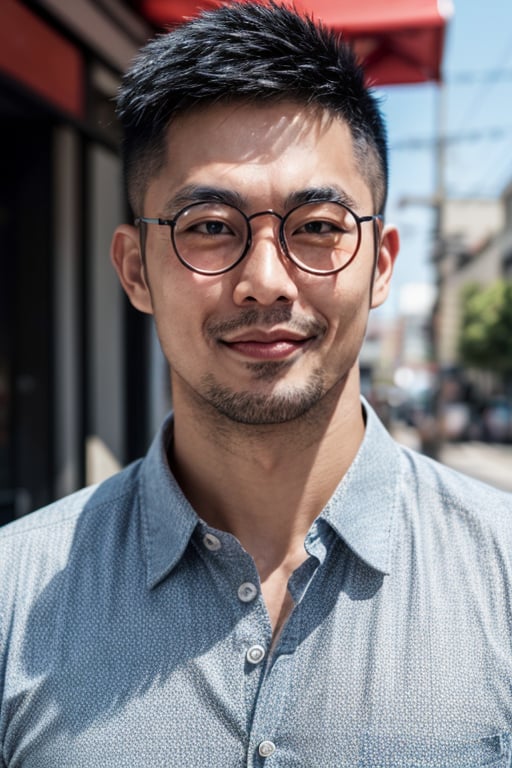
{"type": "Point", "coordinates": [274, 345]}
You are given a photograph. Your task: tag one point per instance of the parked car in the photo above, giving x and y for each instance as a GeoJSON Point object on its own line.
{"type": "Point", "coordinates": [497, 421]}
{"type": "Point", "coordinates": [456, 421]}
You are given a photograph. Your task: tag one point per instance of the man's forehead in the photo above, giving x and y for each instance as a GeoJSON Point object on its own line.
{"type": "Point", "coordinates": [271, 125]}
{"type": "Point", "coordinates": [280, 146]}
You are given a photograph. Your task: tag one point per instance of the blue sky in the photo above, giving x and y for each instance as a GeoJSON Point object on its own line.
{"type": "Point", "coordinates": [478, 123]}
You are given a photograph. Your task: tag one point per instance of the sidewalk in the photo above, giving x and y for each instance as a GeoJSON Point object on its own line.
{"type": "Point", "coordinates": [489, 462]}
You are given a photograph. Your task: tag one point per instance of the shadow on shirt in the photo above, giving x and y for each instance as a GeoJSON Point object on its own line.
{"type": "Point", "coordinates": [101, 645]}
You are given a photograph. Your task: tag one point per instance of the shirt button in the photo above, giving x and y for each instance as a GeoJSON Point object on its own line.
{"type": "Point", "coordinates": [255, 654]}
{"type": "Point", "coordinates": [247, 592]}
{"type": "Point", "coordinates": [211, 542]}
{"type": "Point", "coordinates": [266, 748]}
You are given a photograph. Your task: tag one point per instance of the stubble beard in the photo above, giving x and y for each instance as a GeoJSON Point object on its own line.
{"type": "Point", "coordinates": [264, 409]}
{"type": "Point", "coordinates": [251, 408]}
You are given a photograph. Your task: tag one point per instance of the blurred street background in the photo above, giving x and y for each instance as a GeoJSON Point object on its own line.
{"type": "Point", "coordinates": [490, 463]}
{"type": "Point", "coordinates": [83, 385]}
{"type": "Point", "coordinates": [438, 357]}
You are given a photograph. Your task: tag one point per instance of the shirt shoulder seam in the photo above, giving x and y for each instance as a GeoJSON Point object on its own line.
{"type": "Point", "coordinates": [67, 516]}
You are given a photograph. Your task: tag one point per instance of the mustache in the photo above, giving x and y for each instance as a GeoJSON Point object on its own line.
{"type": "Point", "coordinates": [266, 318]}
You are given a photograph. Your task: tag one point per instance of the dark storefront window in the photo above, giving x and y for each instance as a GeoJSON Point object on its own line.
{"type": "Point", "coordinates": [25, 313]}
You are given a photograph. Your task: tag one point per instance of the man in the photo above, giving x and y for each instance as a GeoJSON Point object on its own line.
{"type": "Point", "coordinates": [277, 583]}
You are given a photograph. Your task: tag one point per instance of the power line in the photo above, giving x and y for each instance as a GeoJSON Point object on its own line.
{"type": "Point", "coordinates": [485, 88]}
{"type": "Point", "coordinates": [488, 134]}
{"type": "Point", "coordinates": [491, 170]}
{"type": "Point", "coordinates": [492, 181]}
{"type": "Point", "coordinates": [476, 77]}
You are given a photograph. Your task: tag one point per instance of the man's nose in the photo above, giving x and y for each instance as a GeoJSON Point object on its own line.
{"type": "Point", "coordinates": [265, 275]}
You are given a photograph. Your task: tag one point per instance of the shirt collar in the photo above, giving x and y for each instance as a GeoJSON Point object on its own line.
{"type": "Point", "coordinates": [360, 510]}
{"type": "Point", "coordinates": [168, 520]}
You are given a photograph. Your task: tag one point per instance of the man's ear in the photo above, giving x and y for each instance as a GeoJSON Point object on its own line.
{"type": "Point", "coordinates": [388, 251]}
{"type": "Point", "coordinates": [126, 256]}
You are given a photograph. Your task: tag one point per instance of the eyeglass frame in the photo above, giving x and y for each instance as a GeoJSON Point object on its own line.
{"type": "Point", "coordinates": [171, 223]}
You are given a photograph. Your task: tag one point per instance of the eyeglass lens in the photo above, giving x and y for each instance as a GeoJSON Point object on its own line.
{"type": "Point", "coordinates": [320, 236]}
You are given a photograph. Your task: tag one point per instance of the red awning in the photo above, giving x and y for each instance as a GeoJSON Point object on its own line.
{"type": "Point", "coordinates": [398, 41]}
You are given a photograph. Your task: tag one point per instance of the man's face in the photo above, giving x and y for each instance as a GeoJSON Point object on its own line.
{"type": "Point", "coordinates": [264, 342]}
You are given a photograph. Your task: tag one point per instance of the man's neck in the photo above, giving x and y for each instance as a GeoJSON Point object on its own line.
{"type": "Point", "coordinates": [265, 484]}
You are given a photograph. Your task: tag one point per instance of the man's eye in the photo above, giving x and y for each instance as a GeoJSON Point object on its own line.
{"type": "Point", "coordinates": [212, 227]}
{"type": "Point", "coordinates": [318, 228]}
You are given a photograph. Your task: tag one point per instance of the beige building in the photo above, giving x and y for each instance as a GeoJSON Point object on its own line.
{"type": "Point", "coordinates": [477, 248]}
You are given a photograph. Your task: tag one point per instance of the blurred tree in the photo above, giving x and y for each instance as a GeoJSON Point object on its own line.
{"type": "Point", "coordinates": [486, 333]}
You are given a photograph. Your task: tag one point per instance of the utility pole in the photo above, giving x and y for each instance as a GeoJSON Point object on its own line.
{"type": "Point", "coordinates": [440, 266]}
{"type": "Point", "coordinates": [431, 428]}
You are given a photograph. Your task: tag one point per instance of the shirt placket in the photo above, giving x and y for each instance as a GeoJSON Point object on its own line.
{"type": "Point", "coordinates": [268, 672]}
{"type": "Point", "coordinates": [252, 636]}
{"type": "Point", "coordinates": [276, 690]}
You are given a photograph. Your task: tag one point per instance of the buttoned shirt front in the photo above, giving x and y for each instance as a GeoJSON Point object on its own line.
{"type": "Point", "coordinates": [133, 634]}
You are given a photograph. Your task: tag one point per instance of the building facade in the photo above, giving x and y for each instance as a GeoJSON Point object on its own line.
{"type": "Point", "coordinates": [476, 241]}
{"type": "Point", "coordinates": [82, 382]}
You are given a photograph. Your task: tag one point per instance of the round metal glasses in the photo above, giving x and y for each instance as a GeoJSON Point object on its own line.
{"type": "Point", "coordinates": [318, 237]}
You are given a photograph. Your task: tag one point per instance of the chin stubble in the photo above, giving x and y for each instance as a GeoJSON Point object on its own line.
{"type": "Point", "coordinates": [255, 408]}
{"type": "Point", "coordinates": [258, 409]}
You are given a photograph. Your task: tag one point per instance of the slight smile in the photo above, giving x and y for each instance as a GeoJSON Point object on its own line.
{"type": "Point", "coordinates": [277, 345]}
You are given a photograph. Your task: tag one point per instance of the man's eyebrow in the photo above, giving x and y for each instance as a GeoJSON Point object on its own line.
{"type": "Point", "coordinates": [320, 195]}
{"type": "Point", "coordinates": [202, 194]}
{"type": "Point", "coordinates": [194, 193]}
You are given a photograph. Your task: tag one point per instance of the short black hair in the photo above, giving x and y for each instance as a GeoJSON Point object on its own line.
{"type": "Point", "coordinates": [247, 52]}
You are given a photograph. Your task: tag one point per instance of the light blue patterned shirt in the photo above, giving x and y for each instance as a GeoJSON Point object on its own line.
{"type": "Point", "coordinates": [134, 635]}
